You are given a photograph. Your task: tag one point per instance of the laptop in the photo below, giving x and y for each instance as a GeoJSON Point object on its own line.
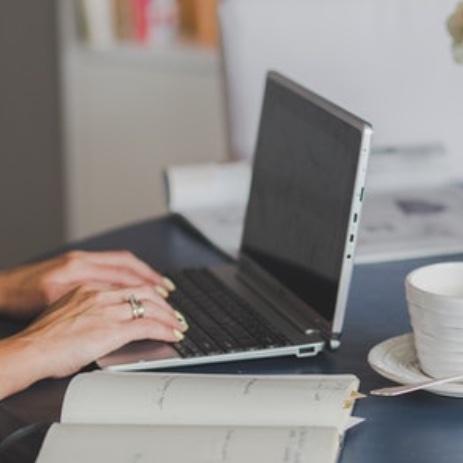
{"type": "Point", "coordinates": [287, 292]}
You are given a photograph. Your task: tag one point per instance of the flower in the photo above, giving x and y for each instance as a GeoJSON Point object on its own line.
{"type": "Point", "coordinates": [455, 27]}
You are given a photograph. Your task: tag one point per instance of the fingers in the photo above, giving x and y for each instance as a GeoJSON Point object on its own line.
{"type": "Point", "coordinates": [114, 268]}
{"type": "Point", "coordinates": [117, 276]}
{"type": "Point", "coordinates": [150, 328]}
{"type": "Point", "coordinates": [123, 312]}
{"type": "Point", "coordinates": [142, 293]}
{"type": "Point", "coordinates": [115, 304]}
{"type": "Point", "coordinates": [128, 261]}
{"type": "Point", "coordinates": [100, 297]}
{"type": "Point", "coordinates": [83, 326]}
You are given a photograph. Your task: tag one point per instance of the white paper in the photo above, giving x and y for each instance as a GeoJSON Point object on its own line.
{"type": "Point", "coordinates": [411, 223]}
{"type": "Point", "coordinates": [409, 167]}
{"type": "Point", "coordinates": [202, 186]}
{"type": "Point", "coordinates": [213, 198]}
{"type": "Point", "coordinates": [144, 444]}
{"type": "Point", "coordinates": [353, 421]}
{"type": "Point", "coordinates": [221, 400]}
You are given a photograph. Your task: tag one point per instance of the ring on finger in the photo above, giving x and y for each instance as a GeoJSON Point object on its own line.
{"type": "Point", "coordinates": [138, 311]}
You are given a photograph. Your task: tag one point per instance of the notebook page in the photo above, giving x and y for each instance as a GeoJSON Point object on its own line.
{"type": "Point", "coordinates": [142, 444]}
{"type": "Point", "coordinates": [178, 399]}
{"type": "Point", "coordinates": [210, 185]}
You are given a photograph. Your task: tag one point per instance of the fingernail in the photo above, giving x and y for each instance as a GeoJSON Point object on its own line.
{"type": "Point", "coordinates": [182, 320]}
{"type": "Point", "coordinates": [180, 336]}
{"type": "Point", "coordinates": [179, 316]}
{"type": "Point", "coordinates": [185, 326]}
{"type": "Point", "coordinates": [169, 284]}
{"type": "Point", "coordinates": [161, 291]}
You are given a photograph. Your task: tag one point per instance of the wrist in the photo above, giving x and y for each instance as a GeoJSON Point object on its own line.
{"type": "Point", "coordinates": [17, 299]}
{"type": "Point", "coordinates": [8, 290]}
{"type": "Point", "coordinates": [20, 364]}
{"type": "Point", "coordinates": [3, 290]}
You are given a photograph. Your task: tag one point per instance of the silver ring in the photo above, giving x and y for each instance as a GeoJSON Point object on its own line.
{"type": "Point", "coordinates": [138, 311]}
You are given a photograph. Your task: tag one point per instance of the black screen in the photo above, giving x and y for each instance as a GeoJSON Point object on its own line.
{"type": "Point", "coordinates": [298, 212]}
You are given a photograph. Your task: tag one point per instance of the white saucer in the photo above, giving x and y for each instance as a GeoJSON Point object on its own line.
{"type": "Point", "coordinates": [396, 359]}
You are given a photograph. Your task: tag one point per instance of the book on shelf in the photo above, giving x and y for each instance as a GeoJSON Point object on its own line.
{"type": "Point", "coordinates": [96, 23]}
{"type": "Point", "coordinates": [205, 24]}
{"type": "Point", "coordinates": [124, 21]}
{"type": "Point", "coordinates": [413, 203]}
{"type": "Point", "coordinates": [140, 17]}
{"type": "Point", "coordinates": [107, 23]}
{"type": "Point", "coordinates": [122, 417]}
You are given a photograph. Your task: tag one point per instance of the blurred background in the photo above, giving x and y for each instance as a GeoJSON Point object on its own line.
{"type": "Point", "coordinates": [98, 97]}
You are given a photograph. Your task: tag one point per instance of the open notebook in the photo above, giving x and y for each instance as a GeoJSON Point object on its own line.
{"type": "Point", "coordinates": [146, 417]}
{"type": "Point", "coordinates": [413, 205]}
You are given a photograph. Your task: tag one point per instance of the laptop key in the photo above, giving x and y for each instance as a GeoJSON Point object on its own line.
{"type": "Point", "coordinates": [246, 324]}
{"type": "Point", "coordinates": [182, 349]}
{"type": "Point", "coordinates": [202, 341]}
{"type": "Point", "coordinates": [219, 320]}
{"type": "Point", "coordinates": [207, 324]}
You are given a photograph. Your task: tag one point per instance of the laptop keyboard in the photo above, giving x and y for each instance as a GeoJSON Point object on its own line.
{"type": "Point", "coordinates": [220, 321]}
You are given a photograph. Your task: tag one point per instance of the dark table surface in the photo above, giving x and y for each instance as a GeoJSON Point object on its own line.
{"type": "Point", "coordinates": [420, 428]}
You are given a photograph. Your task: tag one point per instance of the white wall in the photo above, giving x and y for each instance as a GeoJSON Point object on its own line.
{"type": "Point", "coordinates": [389, 61]}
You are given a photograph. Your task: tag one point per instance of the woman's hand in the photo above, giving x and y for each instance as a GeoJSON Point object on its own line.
{"type": "Point", "coordinates": [26, 290]}
{"type": "Point", "coordinates": [82, 326]}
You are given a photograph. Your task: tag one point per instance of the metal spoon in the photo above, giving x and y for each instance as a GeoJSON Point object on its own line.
{"type": "Point", "coordinates": [400, 390]}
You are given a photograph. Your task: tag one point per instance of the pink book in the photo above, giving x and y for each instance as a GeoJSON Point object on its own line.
{"type": "Point", "coordinates": [141, 13]}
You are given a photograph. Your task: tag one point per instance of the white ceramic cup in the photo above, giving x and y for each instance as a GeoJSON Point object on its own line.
{"type": "Point", "coordinates": [435, 304]}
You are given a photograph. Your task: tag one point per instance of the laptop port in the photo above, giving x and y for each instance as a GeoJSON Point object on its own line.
{"type": "Point", "coordinates": [308, 351]}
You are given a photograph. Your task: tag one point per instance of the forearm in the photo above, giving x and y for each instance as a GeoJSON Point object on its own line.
{"type": "Point", "coordinates": [20, 365]}
{"type": "Point", "coordinates": [17, 300]}
{"type": "Point", "coordinates": [7, 296]}
{"type": "Point", "coordinates": [3, 292]}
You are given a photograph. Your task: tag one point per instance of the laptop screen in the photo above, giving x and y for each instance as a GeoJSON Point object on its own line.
{"type": "Point", "coordinates": [299, 207]}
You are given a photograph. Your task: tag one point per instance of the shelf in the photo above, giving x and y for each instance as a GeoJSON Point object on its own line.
{"type": "Point", "coordinates": [185, 56]}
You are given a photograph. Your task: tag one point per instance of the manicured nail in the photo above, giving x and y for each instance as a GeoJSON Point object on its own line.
{"type": "Point", "coordinates": [169, 284]}
{"type": "Point", "coordinates": [179, 316]}
{"type": "Point", "coordinates": [180, 336]}
{"type": "Point", "coordinates": [161, 291]}
{"type": "Point", "coordinates": [182, 320]}
{"type": "Point", "coordinates": [185, 326]}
